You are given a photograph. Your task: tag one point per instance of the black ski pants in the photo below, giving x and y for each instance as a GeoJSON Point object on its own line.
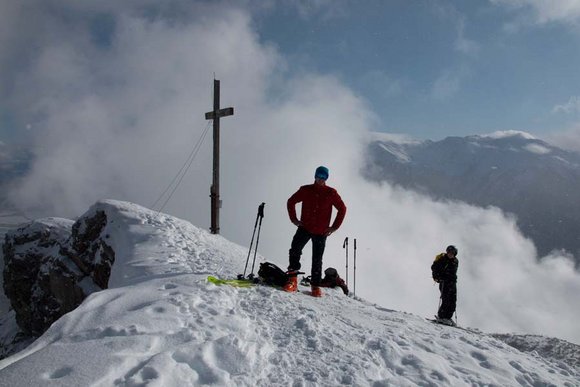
{"type": "Point", "coordinates": [448, 299]}
{"type": "Point", "coordinates": [300, 240]}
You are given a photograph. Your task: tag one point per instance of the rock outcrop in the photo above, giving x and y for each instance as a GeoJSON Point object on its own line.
{"type": "Point", "coordinates": [51, 265]}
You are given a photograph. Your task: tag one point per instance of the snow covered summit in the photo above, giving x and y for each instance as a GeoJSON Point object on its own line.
{"type": "Point", "coordinates": [161, 323]}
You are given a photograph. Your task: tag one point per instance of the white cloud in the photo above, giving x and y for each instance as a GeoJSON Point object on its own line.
{"type": "Point", "coordinates": [570, 107]}
{"type": "Point", "coordinates": [542, 12]}
{"type": "Point", "coordinates": [536, 148]}
{"type": "Point", "coordinates": [509, 133]}
{"type": "Point", "coordinates": [118, 121]}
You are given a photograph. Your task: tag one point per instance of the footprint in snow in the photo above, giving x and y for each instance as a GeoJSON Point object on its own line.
{"type": "Point", "coordinates": [59, 373]}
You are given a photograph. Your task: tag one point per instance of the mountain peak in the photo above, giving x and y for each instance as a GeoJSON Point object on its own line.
{"type": "Point", "coordinates": [506, 134]}
{"type": "Point", "coordinates": [162, 323]}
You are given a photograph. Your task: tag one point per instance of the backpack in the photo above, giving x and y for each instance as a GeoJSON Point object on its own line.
{"type": "Point", "coordinates": [331, 273]}
{"type": "Point", "coordinates": [437, 267]}
{"type": "Point", "coordinates": [444, 269]}
{"type": "Point", "coordinates": [271, 274]}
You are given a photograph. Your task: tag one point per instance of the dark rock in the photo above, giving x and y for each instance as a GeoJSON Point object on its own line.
{"type": "Point", "coordinates": [51, 265]}
{"type": "Point", "coordinates": [28, 253]}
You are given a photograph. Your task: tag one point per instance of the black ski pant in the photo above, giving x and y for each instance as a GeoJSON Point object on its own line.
{"type": "Point", "coordinates": [300, 240]}
{"type": "Point", "coordinates": [448, 299]}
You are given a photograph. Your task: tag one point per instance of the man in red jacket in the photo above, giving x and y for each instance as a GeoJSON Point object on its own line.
{"type": "Point", "coordinates": [317, 201]}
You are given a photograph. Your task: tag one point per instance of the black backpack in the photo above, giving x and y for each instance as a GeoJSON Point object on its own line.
{"type": "Point", "coordinates": [331, 274]}
{"type": "Point", "coordinates": [271, 274]}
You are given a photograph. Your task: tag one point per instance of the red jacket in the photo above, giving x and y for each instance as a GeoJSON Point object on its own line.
{"type": "Point", "coordinates": [317, 202]}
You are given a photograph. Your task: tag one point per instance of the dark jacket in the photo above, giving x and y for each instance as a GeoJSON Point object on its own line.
{"type": "Point", "coordinates": [444, 269]}
{"type": "Point", "coordinates": [332, 282]}
{"type": "Point", "coordinates": [317, 202]}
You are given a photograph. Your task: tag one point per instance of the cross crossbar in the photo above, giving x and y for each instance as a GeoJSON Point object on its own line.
{"type": "Point", "coordinates": [221, 113]}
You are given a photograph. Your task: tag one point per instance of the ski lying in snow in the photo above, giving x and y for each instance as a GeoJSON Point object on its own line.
{"type": "Point", "coordinates": [238, 283]}
{"type": "Point", "coordinates": [248, 283]}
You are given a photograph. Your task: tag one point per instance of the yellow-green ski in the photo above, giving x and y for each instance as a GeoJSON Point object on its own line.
{"type": "Point", "coordinates": [238, 283]}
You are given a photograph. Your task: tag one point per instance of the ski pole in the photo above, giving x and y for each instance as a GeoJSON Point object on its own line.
{"type": "Point", "coordinates": [242, 276]}
{"type": "Point", "coordinates": [345, 246]}
{"type": "Point", "coordinates": [261, 216]}
{"type": "Point", "coordinates": [354, 279]}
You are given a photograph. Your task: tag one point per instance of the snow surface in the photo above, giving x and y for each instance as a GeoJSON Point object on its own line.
{"type": "Point", "coordinates": [509, 133]}
{"type": "Point", "coordinates": [162, 324]}
{"type": "Point", "coordinates": [397, 152]}
{"type": "Point", "coordinates": [397, 138]}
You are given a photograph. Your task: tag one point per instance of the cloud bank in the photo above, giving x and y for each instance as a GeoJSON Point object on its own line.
{"type": "Point", "coordinates": [115, 97]}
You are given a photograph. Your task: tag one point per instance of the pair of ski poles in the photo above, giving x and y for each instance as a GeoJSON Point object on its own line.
{"type": "Point", "coordinates": [258, 224]}
{"type": "Point", "coordinates": [345, 246]}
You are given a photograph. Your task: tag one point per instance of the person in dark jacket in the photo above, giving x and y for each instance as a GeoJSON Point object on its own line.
{"type": "Point", "coordinates": [332, 279]}
{"type": "Point", "coordinates": [444, 270]}
{"type": "Point", "coordinates": [317, 200]}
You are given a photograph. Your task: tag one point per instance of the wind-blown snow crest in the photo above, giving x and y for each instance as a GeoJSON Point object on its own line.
{"type": "Point", "coordinates": [162, 324]}
{"type": "Point", "coordinates": [509, 133]}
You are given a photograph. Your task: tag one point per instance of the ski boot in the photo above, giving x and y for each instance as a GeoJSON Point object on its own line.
{"type": "Point", "coordinates": [445, 321]}
{"type": "Point", "coordinates": [292, 284]}
{"type": "Point", "coordinates": [316, 292]}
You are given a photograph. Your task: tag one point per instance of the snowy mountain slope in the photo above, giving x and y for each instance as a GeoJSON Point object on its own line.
{"type": "Point", "coordinates": [547, 347]}
{"type": "Point", "coordinates": [162, 324]}
{"type": "Point", "coordinates": [511, 170]}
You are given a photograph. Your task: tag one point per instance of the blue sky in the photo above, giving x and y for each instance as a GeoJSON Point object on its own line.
{"type": "Point", "coordinates": [426, 68]}
{"type": "Point", "coordinates": [437, 68]}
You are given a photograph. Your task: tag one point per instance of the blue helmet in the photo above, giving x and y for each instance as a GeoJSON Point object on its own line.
{"type": "Point", "coordinates": [321, 173]}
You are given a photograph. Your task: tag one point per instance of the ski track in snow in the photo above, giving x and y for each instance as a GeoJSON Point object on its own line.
{"type": "Point", "coordinates": [162, 324]}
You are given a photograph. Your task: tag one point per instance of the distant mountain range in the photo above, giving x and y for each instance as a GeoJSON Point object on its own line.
{"type": "Point", "coordinates": [514, 171]}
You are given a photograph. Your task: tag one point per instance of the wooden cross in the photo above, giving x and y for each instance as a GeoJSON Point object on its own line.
{"type": "Point", "coordinates": [215, 115]}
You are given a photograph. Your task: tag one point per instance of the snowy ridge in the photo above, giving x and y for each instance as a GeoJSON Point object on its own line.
{"type": "Point", "coordinates": [547, 347]}
{"type": "Point", "coordinates": [396, 138]}
{"type": "Point", "coordinates": [508, 133]}
{"type": "Point", "coordinates": [162, 324]}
